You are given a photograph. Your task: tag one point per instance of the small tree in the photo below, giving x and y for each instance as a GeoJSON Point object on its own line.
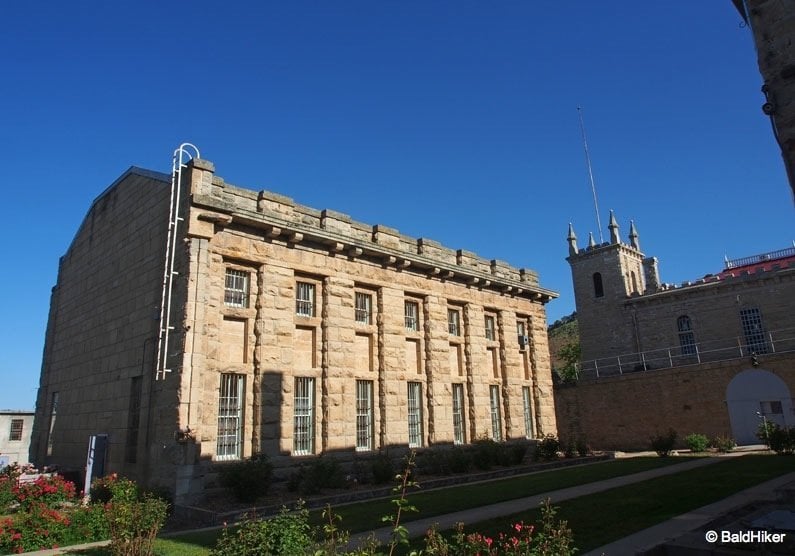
{"type": "Point", "coordinates": [570, 354]}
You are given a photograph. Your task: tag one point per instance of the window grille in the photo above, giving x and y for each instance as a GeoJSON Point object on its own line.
{"type": "Point", "coordinates": [364, 415]}
{"type": "Point", "coordinates": [459, 433]}
{"type": "Point", "coordinates": [133, 420]}
{"type": "Point", "coordinates": [412, 313]}
{"type": "Point", "coordinates": [771, 408]}
{"type": "Point", "coordinates": [53, 413]}
{"type": "Point", "coordinates": [230, 417]}
{"type": "Point", "coordinates": [305, 299]}
{"type": "Point", "coordinates": [16, 429]}
{"type": "Point", "coordinates": [415, 414]}
{"type": "Point", "coordinates": [304, 426]}
{"type": "Point", "coordinates": [364, 304]}
{"type": "Point", "coordinates": [490, 328]}
{"type": "Point", "coordinates": [454, 322]}
{"type": "Point", "coordinates": [496, 418]}
{"type": "Point", "coordinates": [687, 341]}
{"type": "Point", "coordinates": [753, 330]}
{"type": "Point", "coordinates": [236, 288]}
{"type": "Point", "coordinates": [528, 412]}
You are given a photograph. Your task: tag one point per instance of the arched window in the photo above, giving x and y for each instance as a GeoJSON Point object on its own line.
{"type": "Point", "coordinates": [598, 289]}
{"type": "Point", "coordinates": [634, 281]}
{"type": "Point", "coordinates": [687, 341]}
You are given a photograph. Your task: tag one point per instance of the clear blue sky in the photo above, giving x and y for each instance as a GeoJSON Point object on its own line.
{"type": "Point", "coordinates": [452, 120]}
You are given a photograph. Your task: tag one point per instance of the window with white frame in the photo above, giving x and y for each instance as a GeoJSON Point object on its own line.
{"type": "Point", "coordinates": [454, 322]}
{"type": "Point", "coordinates": [364, 308]}
{"type": "Point", "coordinates": [53, 414]}
{"type": "Point", "coordinates": [15, 434]}
{"type": "Point", "coordinates": [412, 315]}
{"type": "Point", "coordinates": [490, 328]}
{"type": "Point", "coordinates": [496, 417]}
{"type": "Point", "coordinates": [230, 417]}
{"type": "Point", "coordinates": [459, 431]}
{"type": "Point", "coordinates": [527, 406]}
{"type": "Point", "coordinates": [304, 411]}
{"type": "Point", "coordinates": [305, 299]}
{"type": "Point", "coordinates": [415, 414]}
{"type": "Point", "coordinates": [364, 415]}
{"type": "Point", "coordinates": [687, 341]}
{"type": "Point", "coordinates": [236, 288]}
{"type": "Point", "coordinates": [753, 330]}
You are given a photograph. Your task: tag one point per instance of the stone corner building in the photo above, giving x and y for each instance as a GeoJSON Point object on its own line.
{"type": "Point", "coordinates": [713, 356]}
{"type": "Point", "coordinates": [278, 329]}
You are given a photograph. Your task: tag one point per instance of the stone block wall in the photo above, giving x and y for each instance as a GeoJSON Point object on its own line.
{"type": "Point", "coordinates": [624, 412]}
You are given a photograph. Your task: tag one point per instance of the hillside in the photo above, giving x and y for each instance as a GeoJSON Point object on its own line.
{"type": "Point", "coordinates": [563, 332]}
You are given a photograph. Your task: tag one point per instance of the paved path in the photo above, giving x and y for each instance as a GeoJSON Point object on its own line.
{"type": "Point", "coordinates": [448, 521]}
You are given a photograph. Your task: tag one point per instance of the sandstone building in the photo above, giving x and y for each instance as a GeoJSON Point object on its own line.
{"type": "Point", "coordinates": [709, 356]}
{"type": "Point", "coordinates": [278, 329]}
{"type": "Point", "coordinates": [772, 24]}
{"type": "Point", "coordinates": [15, 430]}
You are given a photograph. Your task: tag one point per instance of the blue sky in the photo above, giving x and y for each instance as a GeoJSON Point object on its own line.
{"type": "Point", "coordinates": [451, 120]}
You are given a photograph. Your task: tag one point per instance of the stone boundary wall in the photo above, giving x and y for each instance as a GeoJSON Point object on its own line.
{"type": "Point", "coordinates": [624, 412]}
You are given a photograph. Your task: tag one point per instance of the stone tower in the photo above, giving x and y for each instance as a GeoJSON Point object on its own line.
{"type": "Point", "coordinates": [604, 276]}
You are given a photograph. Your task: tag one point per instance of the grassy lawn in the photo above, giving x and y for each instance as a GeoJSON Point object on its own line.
{"type": "Point", "coordinates": [365, 516]}
{"type": "Point", "coordinates": [601, 518]}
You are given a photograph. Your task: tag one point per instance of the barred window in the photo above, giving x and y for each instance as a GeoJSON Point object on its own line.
{"type": "Point", "coordinates": [412, 315]}
{"type": "Point", "coordinates": [459, 431]}
{"type": "Point", "coordinates": [490, 334]}
{"type": "Point", "coordinates": [527, 406]}
{"type": "Point", "coordinates": [304, 422]}
{"type": "Point", "coordinates": [496, 417]}
{"type": "Point", "coordinates": [230, 417]}
{"type": "Point", "coordinates": [454, 322]}
{"type": "Point", "coordinates": [16, 429]}
{"type": "Point", "coordinates": [364, 415]}
{"type": "Point", "coordinates": [53, 414]}
{"type": "Point", "coordinates": [133, 420]}
{"type": "Point", "coordinates": [415, 414]}
{"type": "Point", "coordinates": [236, 288]}
{"type": "Point", "coordinates": [687, 341]}
{"type": "Point", "coordinates": [753, 330]}
{"type": "Point", "coordinates": [305, 299]}
{"type": "Point", "coordinates": [364, 308]}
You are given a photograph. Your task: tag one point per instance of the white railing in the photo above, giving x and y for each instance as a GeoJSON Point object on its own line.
{"type": "Point", "coordinates": [764, 257]}
{"type": "Point", "coordinates": [726, 349]}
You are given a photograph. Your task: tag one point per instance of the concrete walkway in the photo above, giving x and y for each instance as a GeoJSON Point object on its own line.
{"type": "Point", "coordinates": [418, 527]}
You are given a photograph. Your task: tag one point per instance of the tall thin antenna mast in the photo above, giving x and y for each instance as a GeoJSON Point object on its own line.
{"type": "Point", "coordinates": [590, 175]}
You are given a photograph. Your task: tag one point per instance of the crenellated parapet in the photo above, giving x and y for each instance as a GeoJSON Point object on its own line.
{"type": "Point", "coordinates": [280, 219]}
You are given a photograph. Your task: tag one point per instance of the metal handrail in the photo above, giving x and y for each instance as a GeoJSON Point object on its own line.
{"type": "Point", "coordinates": [724, 349]}
{"type": "Point", "coordinates": [764, 257]}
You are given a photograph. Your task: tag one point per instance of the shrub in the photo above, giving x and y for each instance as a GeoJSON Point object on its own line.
{"type": "Point", "coordinates": [569, 451]}
{"type": "Point", "coordinates": [50, 490]}
{"type": "Point", "coordinates": [782, 440]}
{"type": "Point", "coordinates": [552, 537]}
{"type": "Point", "coordinates": [248, 479]}
{"type": "Point", "coordinates": [88, 524]}
{"type": "Point", "coordinates": [8, 480]}
{"type": "Point", "coordinates": [382, 469]}
{"type": "Point", "coordinates": [323, 472]}
{"type": "Point", "coordinates": [39, 526]}
{"type": "Point", "coordinates": [459, 460]}
{"type": "Point", "coordinates": [113, 487]}
{"type": "Point", "coordinates": [663, 443]}
{"type": "Point", "coordinates": [485, 453]}
{"type": "Point", "coordinates": [134, 525]}
{"type": "Point", "coordinates": [765, 431]}
{"type": "Point", "coordinates": [697, 442]}
{"type": "Point", "coordinates": [287, 533]}
{"type": "Point", "coordinates": [547, 449]}
{"type": "Point", "coordinates": [518, 450]}
{"type": "Point", "coordinates": [723, 444]}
